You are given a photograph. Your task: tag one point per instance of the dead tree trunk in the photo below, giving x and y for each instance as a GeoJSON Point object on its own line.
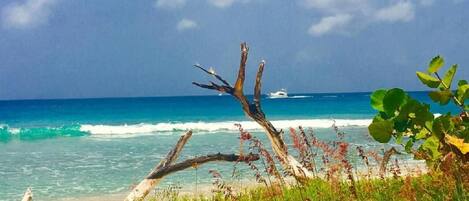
{"type": "Point", "coordinates": [254, 111]}
{"type": "Point", "coordinates": [167, 166]}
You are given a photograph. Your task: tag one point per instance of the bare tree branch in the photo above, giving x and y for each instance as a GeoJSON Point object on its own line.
{"type": "Point", "coordinates": [201, 160]}
{"type": "Point", "coordinates": [213, 73]}
{"type": "Point", "coordinates": [167, 166]}
{"type": "Point", "coordinates": [146, 185]}
{"type": "Point", "coordinates": [28, 195]}
{"type": "Point", "coordinates": [254, 111]}
{"type": "Point", "coordinates": [257, 87]}
{"type": "Point", "coordinates": [385, 161]}
{"type": "Point", "coordinates": [212, 86]}
{"type": "Point", "coordinates": [172, 156]}
{"type": "Point", "coordinates": [242, 70]}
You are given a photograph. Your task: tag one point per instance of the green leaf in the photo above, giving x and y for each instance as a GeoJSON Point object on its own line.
{"type": "Point", "coordinates": [462, 82]}
{"type": "Point", "coordinates": [422, 134]}
{"type": "Point", "coordinates": [381, 131]}
{"type": "Point", "coordinates": [428, 80]}
{"type": "Point", "coordinates": [408, 109]}
{"type": "Point", "coordinates": [430, 146]}
{"type": "Point", "coordinates": [462, 93]}
{"type": "Point", "coordinates": [436, 63]}
{"type": "Point", "coordinates": [442, 125]}
{"type": "Point", "coordinates": [408, 146]}
{"type": "Point", "coordinates": [466, 107]}
{"type": "Point", "coordinates": [393, 99]}
{"type": "Point", "coordinates": [399, 137]}
{"type": "Point", "coordinates": [449, 75]}
{"type": "Point", "coordinates": [441, 97]}
{"type": "Point", "coordinates": [401, 125]}
{"type": "Point", "coordinates": [377, 99]}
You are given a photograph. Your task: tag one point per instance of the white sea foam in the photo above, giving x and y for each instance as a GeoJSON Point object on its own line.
{"type": "Point", "coordinates": [14, 131]}
{"type": "Point", "coordinates": [300, 96]}
{"type": "Point", "coordinates": [217, 126]}
{"type": "Point", "coordinates": [269, 97]}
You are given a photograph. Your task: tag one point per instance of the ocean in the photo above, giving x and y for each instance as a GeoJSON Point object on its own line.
{"type": "Point", "coordinates": [94, 147]}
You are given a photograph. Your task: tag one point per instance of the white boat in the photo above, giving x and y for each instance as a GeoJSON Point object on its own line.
{"type": "Point", "coordinates": [282, 93]}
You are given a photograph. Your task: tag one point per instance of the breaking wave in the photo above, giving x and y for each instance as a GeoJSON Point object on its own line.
{"type": "Point", "coordinates": [7, 133]}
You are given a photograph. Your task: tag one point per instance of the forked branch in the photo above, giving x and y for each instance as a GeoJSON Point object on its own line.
{"type": "Point", "coordinates": [201, 160]}
{"type": "Point", "coordinates": [254, 111]}
{"type": "Point", "coordinates": [213, 73]}
{"type": "Point", "coordinates": [167, 166]}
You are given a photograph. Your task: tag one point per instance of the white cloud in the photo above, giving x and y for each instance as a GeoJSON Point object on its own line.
{"type": "Point", "coordinates": [337, 6]}
{"type": "Point", "coordinates": [28, 14]}
{"type": "Point", "coordinates": [225, 3]}
{"type": "Point", "coordinates": [401, 11]}
{"type": "Point", "coordinates": [174, 4]}
{"type": "Point", "coordinates": [337, 14]}
{"type": "Point", "coordinates": [186, 24]}
{"type": "Point", "coordinates": [171, 4]}
{"type": "Point", "coordinates": [221, 3]}
{"type": "Point", "coordinates": [329, 24]}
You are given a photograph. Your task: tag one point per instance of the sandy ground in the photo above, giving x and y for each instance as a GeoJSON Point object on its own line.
{"type": "Point", "coordinates": [201, 189]}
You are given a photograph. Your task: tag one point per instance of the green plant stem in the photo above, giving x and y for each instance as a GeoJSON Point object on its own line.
{"type": "Point", "coordinates": [452, 96]}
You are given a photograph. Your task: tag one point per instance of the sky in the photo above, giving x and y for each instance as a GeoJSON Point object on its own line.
{"type": "Point", "coordinates": [116, 48]}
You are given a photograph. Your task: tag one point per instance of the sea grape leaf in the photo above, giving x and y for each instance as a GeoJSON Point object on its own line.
{"type": "Point", "coordinates": [393, 99]}
{"type": "Point", "coordinates": [430, 146]}
{"type": "Point", "coordinates": [423, 116]}
{"type": "Point", "coordinates": [442, 125]}
{"type": "Point", "coordinates": [401, 125]}
{"type": "Point", "coordinates": [408, 109]}
{"type": "Point", "coordinates": [377, 99]}
{"type": "Point", "coordinates": [417, 112]}
{"type": "Point", "coordinates": [399, 137]}
{"type": "Point", "coordinates": [449, 75]}
{"type": "Point", "coordinates": [442, 97]}
{"type": "Point", "coordinates": [435, 64]}
{"type": "Point", "coordinates": [381, 130]}
{"type": "Point", "coordinates": [462, 93]}
{"type": "Point", "coordinates": [462, 82]}
{"type": "Point", "coordinates": [409, 145]}
{"type": "Point", "coordinates": [422, 134]}
{"type": "Point", "coordinates": [458, 143]}
{"type": "Point", "coordinates": [428, 80]}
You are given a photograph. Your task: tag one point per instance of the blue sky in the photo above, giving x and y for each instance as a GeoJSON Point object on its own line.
{"type": "Point", "coordinates": [111, 48]}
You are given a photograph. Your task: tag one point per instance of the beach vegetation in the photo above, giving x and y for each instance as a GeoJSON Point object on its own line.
{"type": "Point", "coordinates": [410, 123]}
{"type": "Point", "coordinates": [338, 176]}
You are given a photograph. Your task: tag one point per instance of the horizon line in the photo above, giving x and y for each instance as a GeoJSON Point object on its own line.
{"type": "Point", "coordinates": [136, 97]}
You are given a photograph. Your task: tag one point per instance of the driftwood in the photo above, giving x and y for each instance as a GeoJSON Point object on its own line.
{"type": "Point", "coordinates": [385, 161]}
{"type": "Point", "coordinates": [28, 195]}
{"type": "Point", "coordinates": [168, 166]}
{"type": "Point", "coordinates": [254, 111]}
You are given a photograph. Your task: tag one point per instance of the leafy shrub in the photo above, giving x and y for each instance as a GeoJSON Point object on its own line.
{"type": "Point", "coordinates": [411, 123]}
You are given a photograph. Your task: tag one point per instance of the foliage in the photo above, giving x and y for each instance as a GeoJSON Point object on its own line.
{"type": "Point", "coordinates": [411, 123]}
{"type": "Point", "coordinates": [336, 178]}
{"type": "Point", "coordinates": [432, 186]}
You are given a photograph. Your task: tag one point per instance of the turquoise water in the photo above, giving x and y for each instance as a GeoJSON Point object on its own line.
{"type": "Point", "coordinates": [88, 147]}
